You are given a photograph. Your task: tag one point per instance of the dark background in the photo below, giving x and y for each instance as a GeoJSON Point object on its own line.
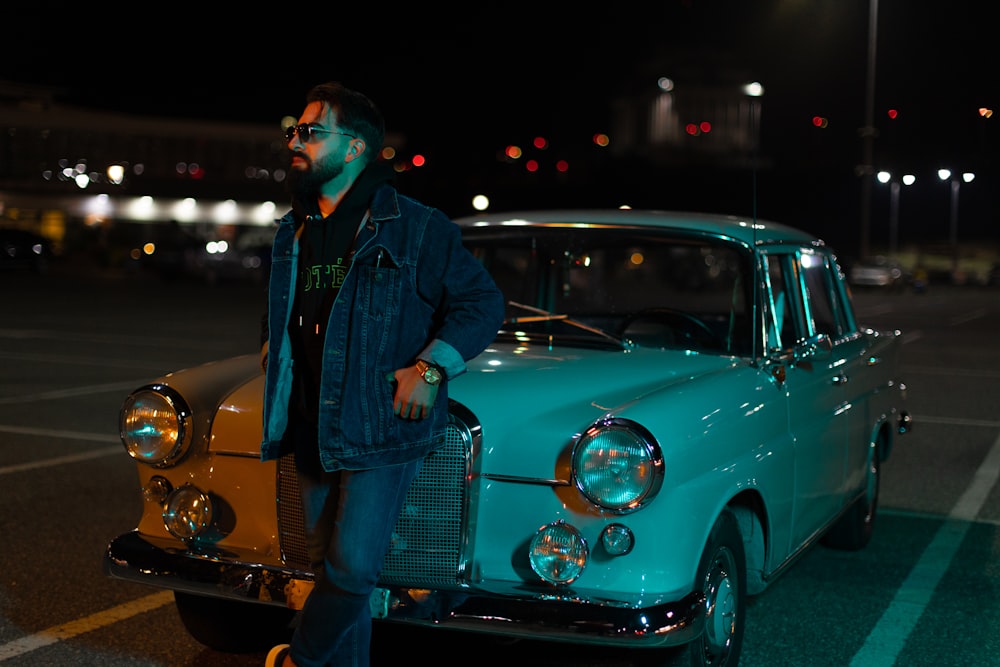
{"type": "Point", "coordinates": [462, 83]}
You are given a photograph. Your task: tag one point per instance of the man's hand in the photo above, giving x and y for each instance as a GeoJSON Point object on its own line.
{"type": "Point", "coordinates": [414, 397]}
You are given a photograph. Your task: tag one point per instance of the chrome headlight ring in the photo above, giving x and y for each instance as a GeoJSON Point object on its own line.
{"type": "Point", "coordinates": [617, 465]}
{"type": "Point", "coordinates": [155, 425]}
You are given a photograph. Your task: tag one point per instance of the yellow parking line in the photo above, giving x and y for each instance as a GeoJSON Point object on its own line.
{"type": "Point", "coordinates": [69, 630]}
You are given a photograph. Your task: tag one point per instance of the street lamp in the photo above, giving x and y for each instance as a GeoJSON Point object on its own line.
{"type": "Point", "coordinates": [886, 177]}
{"type": "Point", "coordinates": [944, 175]}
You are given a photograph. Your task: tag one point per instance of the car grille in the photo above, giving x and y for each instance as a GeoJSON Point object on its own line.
{"type": "Point", "coordinates": [427, 543]}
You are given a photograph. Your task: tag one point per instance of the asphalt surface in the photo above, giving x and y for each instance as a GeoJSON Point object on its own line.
{"type": "Point", "coordinates": [73, 342]}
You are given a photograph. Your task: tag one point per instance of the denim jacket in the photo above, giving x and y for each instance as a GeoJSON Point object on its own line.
{"type": "Point", "coordinates": [412, 291]}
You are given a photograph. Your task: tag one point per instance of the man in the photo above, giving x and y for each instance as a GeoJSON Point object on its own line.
{"type": "Point", "coordinates": [374, 306]}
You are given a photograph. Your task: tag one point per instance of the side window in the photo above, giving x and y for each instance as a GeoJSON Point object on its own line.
{"type": "Point", "coordinates": [783, 327]}
{"type": "Point", "coordinates": [824, 308]}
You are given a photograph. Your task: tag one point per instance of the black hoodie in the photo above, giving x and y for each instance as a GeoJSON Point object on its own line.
{"type": "Point", "coordinates": [325, 251]}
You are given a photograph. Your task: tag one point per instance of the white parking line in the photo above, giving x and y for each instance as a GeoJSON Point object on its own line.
{"type": "Point", "coordinates": [59, 460]}
{"type": "Point", "coordinates": [59, 633]}
{"type": "Point", "coordinates": [968, 317]}
{"type": "Point", "coordinates": [69, 393]}
{"type": "Point", "coordinates": [889, 635]}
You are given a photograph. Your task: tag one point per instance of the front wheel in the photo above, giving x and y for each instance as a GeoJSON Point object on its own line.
{"type": "Point", "coordinates": [722, 578]}
{"type": "Point", "coordinates": [231, 626]}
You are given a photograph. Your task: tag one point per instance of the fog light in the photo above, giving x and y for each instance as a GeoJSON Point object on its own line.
{"type": "Point", "coordinates": [617, 539]}
{"type": "Point", "coordinates": [558, 553]}
{"type": "Point", "coordinates": [187, 513]}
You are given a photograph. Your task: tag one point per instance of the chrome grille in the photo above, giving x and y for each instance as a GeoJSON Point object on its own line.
{"type": "Point", "coordinates": [291, 526]}
{"type": "Point", "coordinates": [427, 542]}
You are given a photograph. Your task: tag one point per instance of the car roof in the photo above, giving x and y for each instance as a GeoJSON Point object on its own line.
{"type": "Point", "coordinates": [745, 229]}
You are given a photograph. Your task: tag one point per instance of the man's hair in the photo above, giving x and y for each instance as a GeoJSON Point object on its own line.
{"type": "Point", "coordinates": [355, 114]}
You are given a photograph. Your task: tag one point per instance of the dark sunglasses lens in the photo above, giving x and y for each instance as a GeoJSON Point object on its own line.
{"type": "Point", "coordinates": [304, 131]}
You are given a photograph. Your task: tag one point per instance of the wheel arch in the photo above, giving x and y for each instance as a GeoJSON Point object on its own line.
{"type": "Point", "coordinates": [751, 516]}
{"type": "Point", "coordinates": [882, 437]}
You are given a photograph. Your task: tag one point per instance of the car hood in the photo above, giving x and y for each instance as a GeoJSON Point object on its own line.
{"type": "Point", "coordinates": [528, 400]}
{"type": "Point", "coordinates": [531, 402]}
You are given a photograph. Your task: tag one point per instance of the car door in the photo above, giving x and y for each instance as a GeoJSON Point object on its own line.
{"type": "Point", "coordinates": [803, 292]}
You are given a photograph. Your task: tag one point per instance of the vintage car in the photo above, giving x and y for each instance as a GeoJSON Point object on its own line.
{"type": "Point", "coordinates": [675, 407]}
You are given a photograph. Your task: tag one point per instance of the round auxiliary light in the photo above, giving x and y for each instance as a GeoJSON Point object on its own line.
{"type": "Point", "coordinates": [157, 489]}
{"type": "Point", "coordinates": [558, 553]}
{"type": "Point", "coordinates": [188, 512]}
{"type": "Point", "coordinates": [617, 539]}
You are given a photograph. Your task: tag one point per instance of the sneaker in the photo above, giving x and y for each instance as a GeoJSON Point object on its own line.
{"type": "Point", "coordinates": [276, 656]}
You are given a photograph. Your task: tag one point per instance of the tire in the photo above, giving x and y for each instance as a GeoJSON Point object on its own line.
{"type": "Point", "coordinates": [722, 577]}
{"type": "Point", "coordinates": [853, 530]}
{"type": "Point", "coordinates": [231, 626]}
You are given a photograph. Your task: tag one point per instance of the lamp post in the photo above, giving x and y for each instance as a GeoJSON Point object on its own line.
{"type": "Point", "coordinates": [886, 177]}
{"type": "Point", "coordinates": [967, 177]}
{"type": "Point", "coordinates": [868, 132]}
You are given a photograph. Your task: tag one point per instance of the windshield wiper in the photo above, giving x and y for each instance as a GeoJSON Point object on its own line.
{"type": "Point", "coordinates": [546, 316]}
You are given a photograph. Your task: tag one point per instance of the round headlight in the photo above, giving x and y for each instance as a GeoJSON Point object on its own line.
{"type": "Point", "coordinates": [188, 512]}
{"type": "Point", "coordinates": [155, 426]}
{"type": "Point", "coordinates": [617, 465]}
{"type": "Point", "coordinates": [558, 553]}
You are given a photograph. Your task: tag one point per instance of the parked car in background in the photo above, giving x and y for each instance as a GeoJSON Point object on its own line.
{"type": "Point", "coordinates": [24, 250]}
{"type": "Point", "coordinates": [877, 271]}
{"type": "Point", "coordinates": [675, 407]}
{"type": "Point", "coordinates": [213, 260]}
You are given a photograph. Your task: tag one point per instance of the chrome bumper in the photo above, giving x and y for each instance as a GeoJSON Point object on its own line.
{"type": "Point", "coordinates": [132, 558]}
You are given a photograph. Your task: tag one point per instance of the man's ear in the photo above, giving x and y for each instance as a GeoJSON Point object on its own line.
{"type": "Point", "coordinates": [356, 150]}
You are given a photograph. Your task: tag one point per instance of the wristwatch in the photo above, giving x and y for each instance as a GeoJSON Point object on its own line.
{"type": "Point", "coordinates": [429, 372]}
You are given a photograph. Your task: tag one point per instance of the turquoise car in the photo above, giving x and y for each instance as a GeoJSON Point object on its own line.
{"type": "Point", "coordinates": [675, 407]}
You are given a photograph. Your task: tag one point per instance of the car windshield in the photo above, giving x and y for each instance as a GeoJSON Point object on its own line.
{"type": "Point", "coordinates": [627, 287]}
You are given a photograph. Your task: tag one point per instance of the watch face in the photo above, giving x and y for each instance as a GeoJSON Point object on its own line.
{"type": "Point", "coordinates": [432, 375]}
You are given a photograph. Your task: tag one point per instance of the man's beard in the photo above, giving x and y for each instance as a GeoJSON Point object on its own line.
{"type": "Point", "coordinates": [307, 181]}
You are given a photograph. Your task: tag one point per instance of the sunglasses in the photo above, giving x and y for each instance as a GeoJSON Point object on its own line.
{"type": "Point", "coordinates": [306, 132]}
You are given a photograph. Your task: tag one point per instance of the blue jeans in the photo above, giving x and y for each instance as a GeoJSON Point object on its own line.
{"type": "Point", "coordinates": [349, 517]}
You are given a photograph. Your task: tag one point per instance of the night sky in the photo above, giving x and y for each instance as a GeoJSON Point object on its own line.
{"type": "Point", "coordinates": [463, 83]}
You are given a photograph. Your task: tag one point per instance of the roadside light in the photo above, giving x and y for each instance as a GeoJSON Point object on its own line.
{"type": "Point", "coordinates": [116, 173]}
